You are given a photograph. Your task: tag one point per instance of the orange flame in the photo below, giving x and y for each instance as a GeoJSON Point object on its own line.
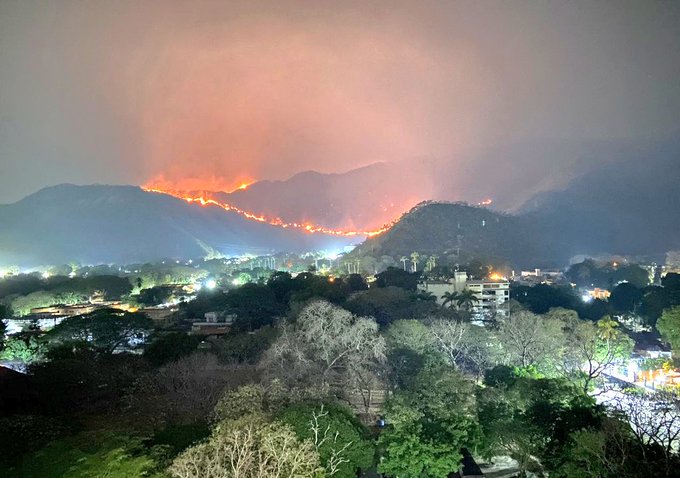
{"type": "Point", "coordinates": [275, 221]}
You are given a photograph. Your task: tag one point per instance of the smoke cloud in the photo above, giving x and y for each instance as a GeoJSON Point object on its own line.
{"type": "Point", "coordinates": [488, 98]}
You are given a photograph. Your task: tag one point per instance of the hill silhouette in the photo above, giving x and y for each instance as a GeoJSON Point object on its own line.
{"type": "Point", "coordinates": [123, 224]}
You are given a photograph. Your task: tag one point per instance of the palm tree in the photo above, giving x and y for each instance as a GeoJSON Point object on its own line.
{"type": "Point", "coordinates": [403, 260]}
{"type": "Point", "coordinates": [414, 260]}
{"type": "Point", "coordinates": [426, 295]}
{"type": "Point", "coordinates": [450, 299]}
{"type": "Point", "coordinates": [466, 299]}
{"type": "Point", "coordinates": [606, 328]}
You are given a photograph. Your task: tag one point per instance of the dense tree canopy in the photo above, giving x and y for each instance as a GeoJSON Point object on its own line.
{"type": "Point", "coordinates": [105, 330]}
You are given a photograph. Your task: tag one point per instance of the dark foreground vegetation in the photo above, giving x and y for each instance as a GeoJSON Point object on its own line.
{"type": "Point", "coordinates": [321, 376]}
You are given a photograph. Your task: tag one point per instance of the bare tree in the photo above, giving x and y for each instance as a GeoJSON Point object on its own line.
{"type": "Point", "coordinates": [324, 435]}
{"type": "Point", "coordinates": [449, 337]}
{"type": "Point", "coordinates": [327, 348]}
{"type": "Point", "coordinates": [528, 339]}
{"type": "Point", "coordinates": [592, 349]}
{"type": "Point", "coordinates": [186, 390]}
{"type": "Point", "coordinates": [249, 448]}
{"type": "Point", "coordinates": [654, 420]}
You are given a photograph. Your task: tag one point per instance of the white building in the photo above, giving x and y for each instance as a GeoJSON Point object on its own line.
{"type": "Point", "coordinates": [439, 287]}
{"type": "Point", "coordinates": [492, 294]}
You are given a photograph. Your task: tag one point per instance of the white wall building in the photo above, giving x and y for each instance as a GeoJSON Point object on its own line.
{"type": "Point", "coordinates": [492, 295]}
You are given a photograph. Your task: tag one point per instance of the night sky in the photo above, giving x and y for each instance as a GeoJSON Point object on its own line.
{"type": "Point", "coordinates": [501, 98]}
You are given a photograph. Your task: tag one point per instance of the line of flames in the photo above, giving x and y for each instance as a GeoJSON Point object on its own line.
{"type": "Point", "coordinates": [309, 228]}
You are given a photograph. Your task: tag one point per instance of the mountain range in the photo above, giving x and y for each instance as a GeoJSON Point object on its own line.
{"type": "Point", "coordinates": [124, 224]}
{"type": "Point", "coordinates": [361, 199]}
{"type": "Point", "coordinates": [628, 206]}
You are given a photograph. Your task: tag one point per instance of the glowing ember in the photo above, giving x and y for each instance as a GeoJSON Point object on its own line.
{"type": "Point", "coordinates": [275, 221]}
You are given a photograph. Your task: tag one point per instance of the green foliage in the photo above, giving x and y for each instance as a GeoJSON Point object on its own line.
{"type": "Point", "coordinates": [24, 348]}
{"type": "Point", "coordinates": [669, 327]}
{"type": "Point", "coordinates": [5, 312]}
{"type": "Point", "coordinates": [654, 301]}
{"type": "Point", "coordinates": [428, 424]}
{"type": "Point", "coordinates": [625, 297]}
{"type": "Point", "coordinates": [531, 418]}
{"type": "Point", "coordinates": [22, 305]}
{"type": "Point", "coordinates": [91, 455]}
{"type": "Point", "coordinates": [254, 305]}
{"type": "Point", "coordinates": [169, 347]}
{"type": "Point", "coordinates": [178, 437]}
{"type": "Point", "coordinates": [78, 379]}
{"type": "Point", "coordinates": [244, 347]}
{"type": "Point", "coordinates": [104, 329]}
{"type": "Point", "coordinates": [542, 297]}
{"type": "Point", "coordinates": [355, 282]}
{"type": "Point", "coordinates": [394, 277]}
{"type": "Point", "coordinates": [25, 433]}
{"type": "Point", "coordinates": [389, 304]}
{"type": "Point", "coordinates": [409, 334]}
{"type": "Point", "coordinates": [339, 436]}
{"type": "Point", "coordinates": [28, 291]}
{"type": "Point", "coordinates": [155, 295]}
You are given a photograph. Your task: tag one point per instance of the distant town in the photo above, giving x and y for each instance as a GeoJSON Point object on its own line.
{"type": "Point", "coordinates": [602, 329]}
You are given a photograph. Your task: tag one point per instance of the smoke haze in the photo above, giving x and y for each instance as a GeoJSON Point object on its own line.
{"type": "Point", "coordinates": [500, 99]}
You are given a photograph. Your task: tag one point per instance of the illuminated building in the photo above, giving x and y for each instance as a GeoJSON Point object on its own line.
{"type": "Point", "coordinates": [597, 293]}
{"type": "Point", "coordinates": [492, 296]}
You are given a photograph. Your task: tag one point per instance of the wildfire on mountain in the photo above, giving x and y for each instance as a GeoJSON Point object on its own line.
{"type": "Point", "coordinates": [273, 221]}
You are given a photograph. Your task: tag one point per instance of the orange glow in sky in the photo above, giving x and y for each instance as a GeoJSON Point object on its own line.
{"type": "Point", "coordinates": [210, 183]}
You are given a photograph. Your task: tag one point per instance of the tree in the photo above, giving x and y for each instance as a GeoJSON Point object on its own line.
{"type": "Point", "coordinates": [254, 305]}
{"type": "Point", "coordinates": [427, 425]}
{"type": "Point", "coordinates": [592, 349]}
{"type": "Point", "coordinates": [427, 295]}
{"type": "Point", "coordinates": [449, 336]}
{"type": "Point", "coordinates": [356, 282]}
{"type": "Point", "coordinates": [186, 390]}
{"type": "Point", "coordinates": [22, 305]}
{"type": "Point", "coordinates": [404, 260]}
{"type": "Point", "coordinates": [105, 330]}
{"type": "Point", "coordinates": [5, 314]}
{"type": "Point", "coordinates": [527, 339]}
{"type": "Point", "coordinates": [23, 348]}
{"type": "Point", "coordinates": [410, 334]}
{"type": "Point", "coordinates": [669, 327]}
{"type": "Point", "coordinates": [249, 448]}
{"type": "Point", "coordinates": [389, 304]}
{"type": "Point", "coordinates": [344, 445]}
{"type": "Point", "coordinates": [397, 278]}
{"type": "Point", "coordinates": [168, 347]}
{"type": "Point", "coordinates": [542, 297]}
{"type": "Point", "coordinates": [625, 297]}
{"type": "Point", "coordinates": [324, 344]}
{"type": "Point", "coordinates": [414, 260]}
{"type": "Point", "coordinates": [92, 454]}
{"type": "Point", "coordinates": [531, 419]}
{"type": "Point", "coordinates": [466, 299]}
{"type": "Point", "coordinates": [449, 298]}
{"type": "Point", "coordinates": [654, 421]}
